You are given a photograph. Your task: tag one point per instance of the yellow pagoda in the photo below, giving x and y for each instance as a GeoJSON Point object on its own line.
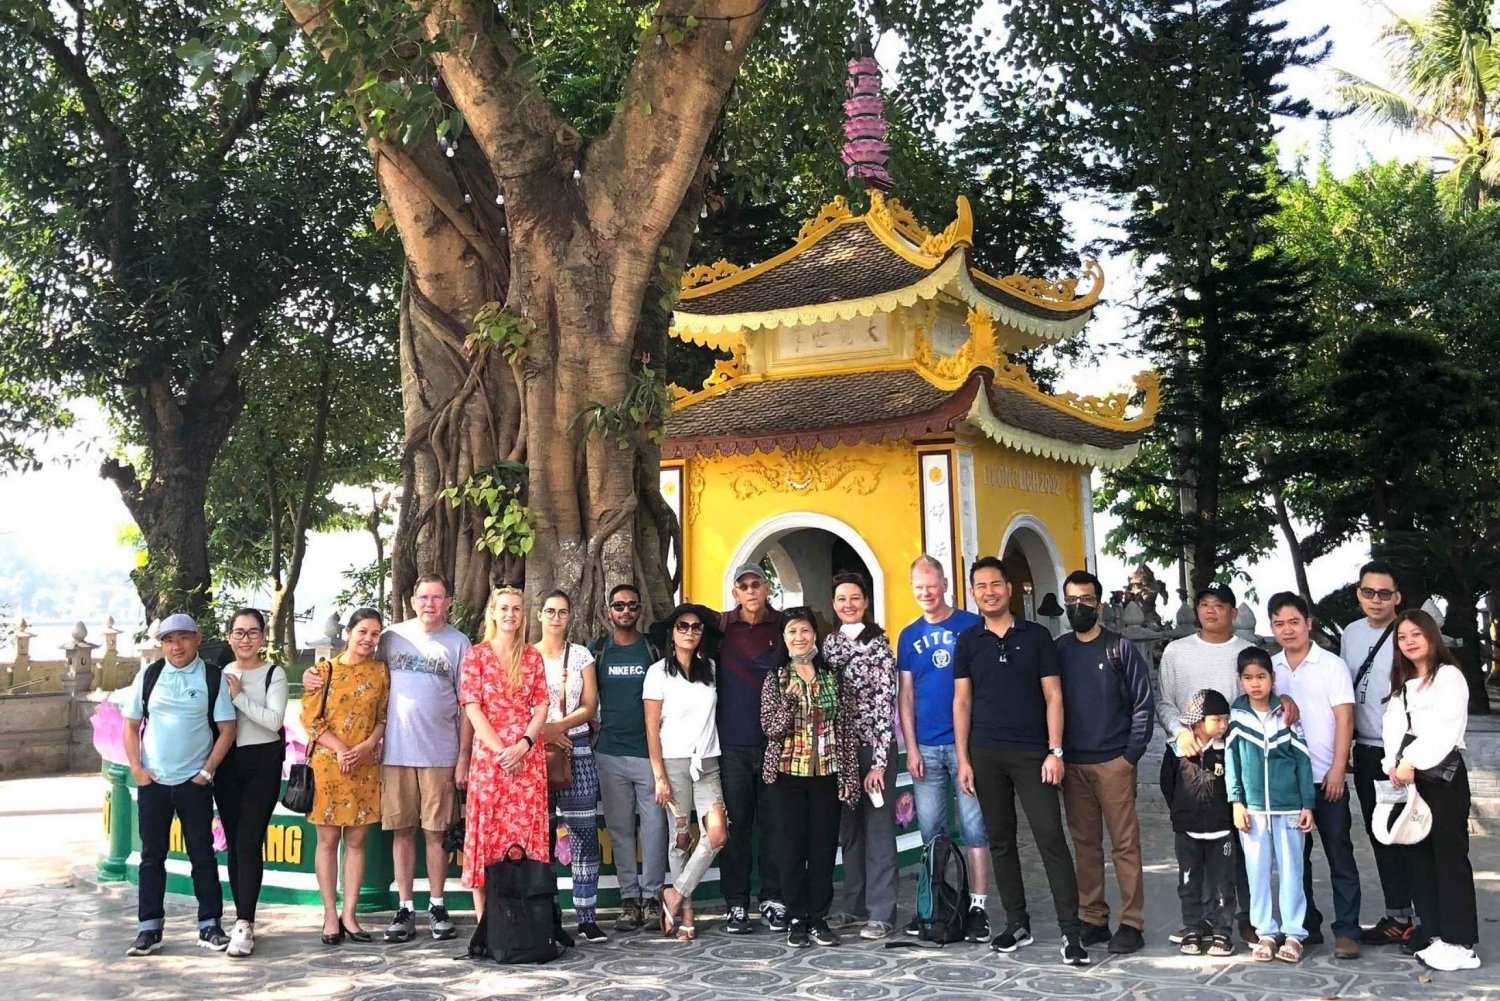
{"type": "Point", "coordinates": [870, 412]}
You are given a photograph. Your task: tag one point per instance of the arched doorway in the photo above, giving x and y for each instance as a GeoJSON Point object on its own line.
{"type": "Point", "coordinates": [804, 551]}
{"type": "Point", "coordinates": [1032, 564]}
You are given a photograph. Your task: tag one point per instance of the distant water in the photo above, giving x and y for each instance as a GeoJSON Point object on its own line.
{"type": "Point", "coordinates": [48, 638]}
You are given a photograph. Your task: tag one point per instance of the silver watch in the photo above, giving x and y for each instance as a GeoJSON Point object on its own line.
{"type": "Point", "coordinates": [1056, 752]}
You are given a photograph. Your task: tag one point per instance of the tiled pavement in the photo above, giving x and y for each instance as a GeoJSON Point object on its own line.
{"type": "Point", "coordinates": [64, 938]}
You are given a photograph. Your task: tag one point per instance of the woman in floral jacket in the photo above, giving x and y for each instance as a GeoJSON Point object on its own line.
{"type": "Point", "coordinates": [860, 654]}
{"type": "Point", "coordinates": [811, 766]}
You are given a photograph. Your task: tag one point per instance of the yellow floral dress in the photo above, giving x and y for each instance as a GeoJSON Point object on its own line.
{"type": "Point", "coordinates": [356, 700]}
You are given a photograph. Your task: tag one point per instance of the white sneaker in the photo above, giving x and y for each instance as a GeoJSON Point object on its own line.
{"type": "Point", "coordinates": [1433, 949]}
{"type": "Point", "coordinates": [242, 939]}
{"type": "Point", "coordinates": [1447, 957]}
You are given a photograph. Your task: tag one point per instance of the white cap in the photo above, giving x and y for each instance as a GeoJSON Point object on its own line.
{"type": "Point", "coordinates": [178, 622]}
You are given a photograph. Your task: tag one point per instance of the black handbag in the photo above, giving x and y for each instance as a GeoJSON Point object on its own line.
{"type": "Point", "coordinates": [300, 786]}
{"type": "Point", "coordinates": [1444, 770]}
{"type": "Point", "coordinates": [453, 836]}
{"type": "Point", "coordinates": [521, 916]}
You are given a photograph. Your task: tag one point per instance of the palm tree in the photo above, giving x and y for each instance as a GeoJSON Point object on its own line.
{"type": "Point", "coordinates": [1449, 73]}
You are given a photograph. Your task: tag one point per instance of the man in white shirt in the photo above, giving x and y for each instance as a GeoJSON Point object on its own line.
{"type": "Point", "coordinates": [1367, 646]}
{"type": "Point", "coordinates": [1319, 682]}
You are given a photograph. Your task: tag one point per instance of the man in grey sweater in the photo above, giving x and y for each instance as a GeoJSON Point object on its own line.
{"type": "Point", "coordinates": [1207, 659]}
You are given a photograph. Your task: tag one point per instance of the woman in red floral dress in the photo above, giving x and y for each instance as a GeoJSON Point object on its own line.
{"type": "Point", "coordinates": [504, 695]}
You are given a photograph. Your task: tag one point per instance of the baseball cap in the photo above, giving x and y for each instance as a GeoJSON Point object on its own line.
{"type": "Point", "coordinates": [177, 622]}
{"type": "Point", "coordinates": [1208, 702]}
{"type": "Point", "coordinates": [1216, 590]}
{"type": "Point", "coordinates": [749, 570]}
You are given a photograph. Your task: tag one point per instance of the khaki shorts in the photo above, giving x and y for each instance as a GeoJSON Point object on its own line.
{"type": "Point", "coordinates": [416, 797]}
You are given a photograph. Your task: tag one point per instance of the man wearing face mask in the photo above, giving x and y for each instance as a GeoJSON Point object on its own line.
{"type": "Point", "coordinates": [1109, 712]}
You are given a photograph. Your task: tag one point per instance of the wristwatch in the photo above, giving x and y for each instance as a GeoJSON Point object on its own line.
{"type": "Point", "coordinates": [1056, 752]}
{"type": "Point", "coordinates": [208, 776]}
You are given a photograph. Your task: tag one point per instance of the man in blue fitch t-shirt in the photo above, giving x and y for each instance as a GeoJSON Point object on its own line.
{"type": "Point", "coordinates": [924, 656]}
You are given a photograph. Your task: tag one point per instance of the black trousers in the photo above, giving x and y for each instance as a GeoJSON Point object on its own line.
{"type": "Point", "coordinates": [1000, 778]}
{"type": "Point", "coordinates": [1442, 879]}
{"type": "Point", "coordinates": [1390, 860]}
{"type": "Point", "coordinates": [806, 815]}
{"type": "Point", "coordinates": [246, 788]}
{"type": "Point", "coordinates": [748, 804]}
{"type": "Point", "coordinates": [193, 805]}
{"type": "Point", "coordinates": [1205, 881]}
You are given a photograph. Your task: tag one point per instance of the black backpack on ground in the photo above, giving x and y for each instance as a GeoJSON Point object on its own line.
{"type": "Point", "coordinates": [521, 915]}
{"type": "Point", "coordinates": [942, 892]}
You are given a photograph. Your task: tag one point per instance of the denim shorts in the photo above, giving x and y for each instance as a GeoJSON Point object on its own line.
{"type": "Point", "coordinates": [931, 793]}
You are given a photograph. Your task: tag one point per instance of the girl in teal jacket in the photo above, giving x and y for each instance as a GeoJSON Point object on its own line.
{"type": "Point", "coordinates": [1270, 785]}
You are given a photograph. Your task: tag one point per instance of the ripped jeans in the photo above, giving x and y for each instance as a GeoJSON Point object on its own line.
{"type": "Point", "coordinates": [704, 795]}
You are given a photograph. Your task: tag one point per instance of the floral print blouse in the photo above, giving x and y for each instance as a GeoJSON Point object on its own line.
{"type": "Point", "coordinates": [868, 671]}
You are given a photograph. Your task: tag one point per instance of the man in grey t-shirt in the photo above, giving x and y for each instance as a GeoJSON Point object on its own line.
{"type": "Point", "coordinates": [425, 755]}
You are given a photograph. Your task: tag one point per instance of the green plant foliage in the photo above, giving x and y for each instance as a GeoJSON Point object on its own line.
{"type": "Point", "coordinates": [496, 495]}
{"type": "Point", "coordinates": [642, 413]}
{"type": "Point", "coordinates": [501, 331]}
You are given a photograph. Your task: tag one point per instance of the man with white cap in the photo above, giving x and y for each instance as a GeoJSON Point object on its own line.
{"type": "Point", "coordinates": [752, 634]}
{"type": "Point", "coordinates": [189, 726]}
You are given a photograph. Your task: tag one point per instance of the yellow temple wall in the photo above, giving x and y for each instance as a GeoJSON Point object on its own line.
{"type": "Point", "coordinates": [735, 502]}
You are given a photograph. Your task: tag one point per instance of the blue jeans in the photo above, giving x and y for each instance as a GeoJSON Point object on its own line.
{"type": "Point", "coordinates": [1334, 821]}
{"type": "Point", "coordinates": [1274, 841]}
{"type": "Point", "coordinates": [931, 795]}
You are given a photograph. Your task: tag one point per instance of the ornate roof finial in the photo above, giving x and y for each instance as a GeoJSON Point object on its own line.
{"type": "Point", "coordinates": [866, 151]}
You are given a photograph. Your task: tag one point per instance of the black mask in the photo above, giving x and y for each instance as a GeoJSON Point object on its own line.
{"type": "Point", "coordinates": [1082, 618]}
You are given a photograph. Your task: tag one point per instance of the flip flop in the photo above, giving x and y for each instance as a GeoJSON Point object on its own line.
{"type": "Point", "coordinates": [668, 917]}
{"type": "Point", "coordinates": [686, 933]}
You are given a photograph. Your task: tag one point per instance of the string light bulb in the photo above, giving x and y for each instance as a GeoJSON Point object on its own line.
{"type": "Point", "coordinates": [728, 45]}
{"type": "Point", "coordinates": [468, 198]}
{"type": "Point", "coordinates": [500, 199]}
{"type": "Point", "coordinates": [577, 174]}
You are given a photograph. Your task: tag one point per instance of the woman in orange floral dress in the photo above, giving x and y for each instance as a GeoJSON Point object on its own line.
{"type": "Point", "coordinates": [504, 695]}
{"type": "Point", "coordinates": [345, 720]}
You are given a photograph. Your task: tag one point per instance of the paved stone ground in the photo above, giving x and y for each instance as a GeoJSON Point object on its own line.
{"type": "Point", "coordinates": [64, 938]}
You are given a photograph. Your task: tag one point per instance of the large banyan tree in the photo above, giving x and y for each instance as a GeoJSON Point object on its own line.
{"type": "Point", "coordinates": [545, 165]}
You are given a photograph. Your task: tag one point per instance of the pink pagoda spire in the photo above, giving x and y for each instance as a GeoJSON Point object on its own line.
{"type": "Point", "coordinates": [865, 149]}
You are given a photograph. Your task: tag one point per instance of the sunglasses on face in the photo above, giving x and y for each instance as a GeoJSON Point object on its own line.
{"type": "Point", "coordinates": [692, 628]}
{"type": "Point", "coordinates": [624, 606]}
{"type": "Point", "coordinates": [1085, 601]}
{"type": "Point", "coordinates": [749, 585]}
{"type": "Point", "coordinates": [1384, 594]}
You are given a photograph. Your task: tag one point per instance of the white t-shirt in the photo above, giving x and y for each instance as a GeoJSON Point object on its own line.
{"type": "Point", "coordinates": [578, 659]}
{"type": "Point", "coordinates": [1369, 704]}
{"type": "Point", "coordinates": [1319, 683]}
{"type": "Point", "coordinates": [688, 729]}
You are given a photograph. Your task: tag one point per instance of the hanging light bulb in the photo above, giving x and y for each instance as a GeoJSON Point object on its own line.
{"type": "Point", "coordinates": [658, 41]}
{"type": "Point", "coordinates": [450, 151]}
{"type": "Point", "coordinates": [468, 198]}
{"type": "Point", "coordinates": [703, 213]}
{"type": "Point", "coordinates": [728, 45]}
{"type": "Point", "coordinates": [500, 199]}
{"type": "Point", "coordinates": [577, 174]}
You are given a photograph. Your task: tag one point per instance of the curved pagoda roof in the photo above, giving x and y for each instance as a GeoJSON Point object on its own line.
{"type": "Point", "coordinates": [845, 265]}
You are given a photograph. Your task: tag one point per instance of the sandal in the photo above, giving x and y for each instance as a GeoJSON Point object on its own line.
{"type": "Point", "coordinates": [1290, 951]}
{"type": "Point", "coordinates": [686, 933]}
{"type": "Point", "coordinates": [1191, 945]}
{"type": "Point", "coordinates": [668, 916]}
{"type": "Point", "coordinates": [1264, 951]}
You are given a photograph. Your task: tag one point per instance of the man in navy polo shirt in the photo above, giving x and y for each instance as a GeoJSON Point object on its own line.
{"type": "Point", "coordinates": [1008, 727]}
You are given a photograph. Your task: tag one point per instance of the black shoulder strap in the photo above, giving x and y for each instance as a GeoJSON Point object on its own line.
{"type": "Point", "coordinates": [1114, 648]}
{"type": "Point", "coordinates": [214, 675]}
{"type": "Point", "coordinates": [1364, 668]}
{"type": "Point", "coordinates": [153, 672]}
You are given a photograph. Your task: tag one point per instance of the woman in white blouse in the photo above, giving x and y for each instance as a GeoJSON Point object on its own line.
{"type": "Point", "coordinates": [248, 783]}
{"type": "Point", "coordinates": [1423, 729]}
{"type": "Point", "coordinates": [682, 737]}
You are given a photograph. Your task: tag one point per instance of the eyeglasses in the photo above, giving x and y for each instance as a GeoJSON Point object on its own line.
{"type": "Point", "coordinates": [624, 606]}
{"type": "Point", "coordinates": [1084, 600]}
{"type": "Point", "coordinates": [1384, 593]}
{"type": "Point", "coordinates": [689, 627]}
{"type": "Point", "coordinates": [555, 613]}
{"type": "Point", "coordinates": [753, 584]}
{"type": "Point", "coordinates": [246, 634]}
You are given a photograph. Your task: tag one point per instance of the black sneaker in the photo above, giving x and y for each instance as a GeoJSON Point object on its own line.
{"type": "Point", "coordinates": [632, 916]}
{"type": "Point", "coordinates": [797, 935]}
{"type": "Point", "coordinates": [773, 912]}
{"type": "Point", "coordinates": [1386, 931]}
{"type": "Point", "coordinates": [213, 937]}
{"type": "Point", "coordinates": [1177, 936]}
{"type": "Point", "coordinates": [1073, 953]}
{"type": "Point", "coordinates": [148, 942]}
{"type": "Point", "coordinates": [1126, 939]}
{"type": "Point", "coordinates": [977, 925]}
{"type": "Point", "coordinates": [739, 922]}
{"type": "Point", "coordinates": [590, 931]}
{"type": "Point", "coordinates": [820, 933]}
{"type": "Point", "coordinates": [1095, 934]}
{"type": "Point", "coordinates": [1012, 938]}
{"type": "Point", "coordinates": [1247, 931]}
{"type": "Point", "coordinates": [561, 937]}
{"type": "Point", "coordinates": [403, 927]}
{"type": "Point", "coordinates": [440, 924]}
{"type": "Point", "coordinates": [914, 927]}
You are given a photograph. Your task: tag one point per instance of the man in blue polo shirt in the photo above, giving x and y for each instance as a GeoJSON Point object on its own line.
{"type": "Point", "coordinates": [924, 656]}
{"type": "Point", "coordinates": [173, 763]}
{"type": "Point", "coordinates": [1008, 727]}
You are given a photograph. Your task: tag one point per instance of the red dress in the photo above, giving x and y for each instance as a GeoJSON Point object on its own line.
{"type": "Point", "coordinates": [502, 809]}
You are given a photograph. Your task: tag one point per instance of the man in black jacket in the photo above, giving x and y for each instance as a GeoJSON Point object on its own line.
{"type": "Point", "coordinates": [1203, 827]}
{"type": "Point", "coordinates": [1109, 711]}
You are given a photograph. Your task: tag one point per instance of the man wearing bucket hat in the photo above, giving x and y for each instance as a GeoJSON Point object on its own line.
{"type": "Point", "coordinates": [751, 636]}
{"type": "Point", "coordinates": [179, 725]}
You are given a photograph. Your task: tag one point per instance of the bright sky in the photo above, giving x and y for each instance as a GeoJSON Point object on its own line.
{"type": "Point", "coordinates": [66, 515]}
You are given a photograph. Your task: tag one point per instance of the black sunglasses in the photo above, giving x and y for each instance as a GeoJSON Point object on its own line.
{"type": "Point", "coordinates": [624, 606]}
{"type": "Point", "coordinates": [688, 627]}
